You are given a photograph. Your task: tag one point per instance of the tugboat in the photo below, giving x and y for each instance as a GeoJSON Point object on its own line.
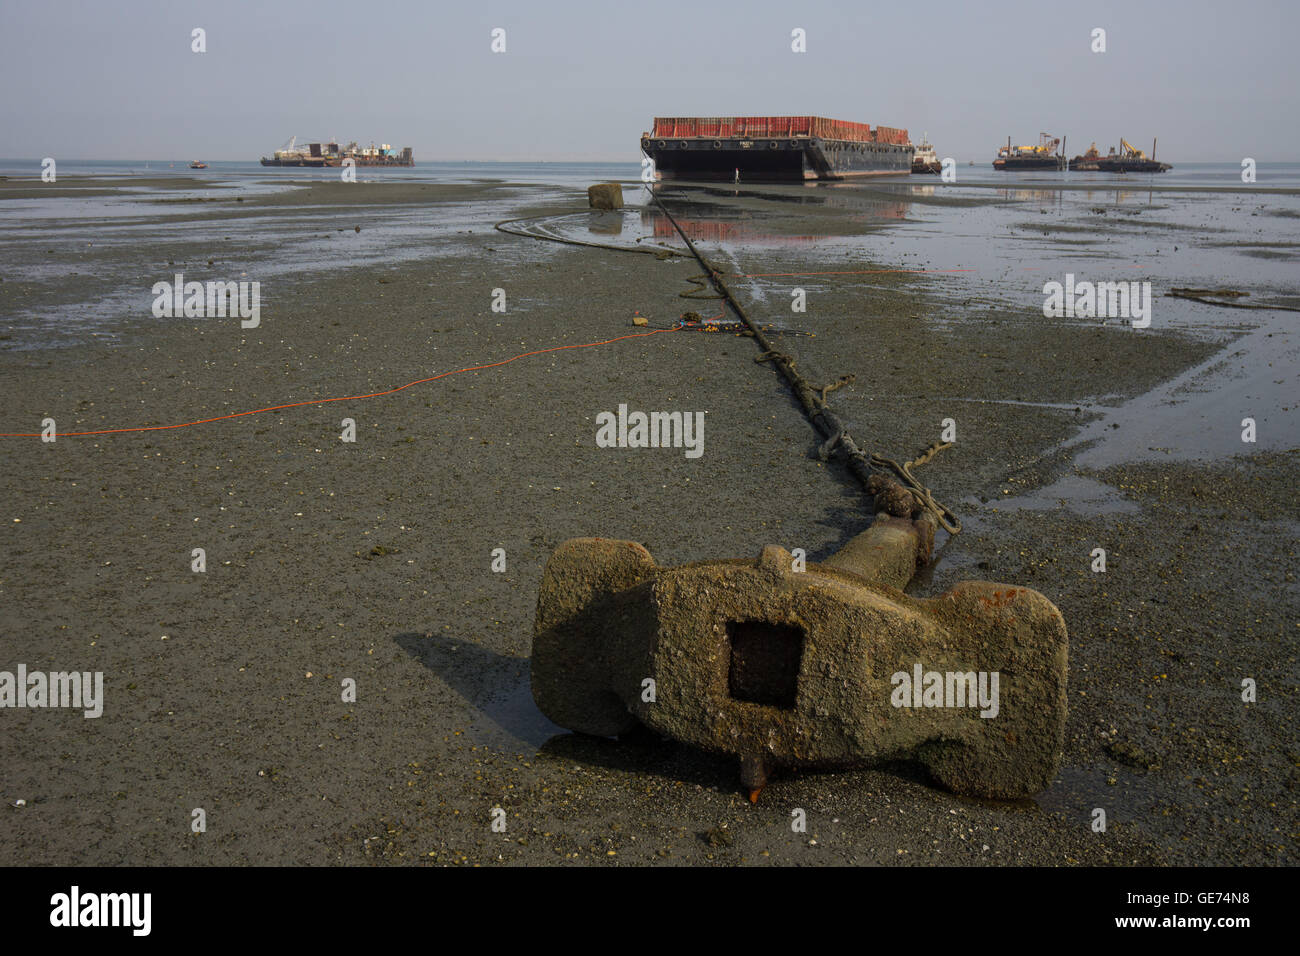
{"type": "Point", "coordinates": [1043, 156]}
{"type": "Point", "coordinates": [198, 164]}
{"type": "Point", "coordinates": [925, 159]}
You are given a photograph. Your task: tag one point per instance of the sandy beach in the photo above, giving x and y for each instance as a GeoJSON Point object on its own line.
{"type": "Point", "coordinates": [371, 560]}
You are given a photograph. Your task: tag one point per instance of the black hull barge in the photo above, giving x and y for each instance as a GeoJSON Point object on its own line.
{"type": "Point", "coordinates": [774, 149]}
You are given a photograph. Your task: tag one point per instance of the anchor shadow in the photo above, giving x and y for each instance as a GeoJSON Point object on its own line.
{"type": "Point", "coordinates": [498, 687]}
{"type": "Point", "coordinates": [644, 752]}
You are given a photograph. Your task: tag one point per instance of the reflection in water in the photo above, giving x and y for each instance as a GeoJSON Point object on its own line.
{"type": "Point", "coordinates": [1120, 195]}
{"type": "Point", "coordinates": [719, 223]}
{"type": "Point", "coordinates": [717, 230]}
{"type": "Point", "coordinates": [606, 225]}
{"type": "Point", "coordinates": [980, 233]}
{"type": "Point", "coordinates": [1045, 196]}
{"type": "Point", "coordinates": [860, 198]}
{"type": "Point", "coordinates": [800, 195]}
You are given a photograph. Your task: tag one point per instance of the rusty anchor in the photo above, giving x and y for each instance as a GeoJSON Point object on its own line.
{"type": "Point", "coordinates": [830, 666]}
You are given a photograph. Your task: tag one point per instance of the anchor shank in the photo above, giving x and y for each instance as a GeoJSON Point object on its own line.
{"type": "Point", "coordinates": [888, 552]}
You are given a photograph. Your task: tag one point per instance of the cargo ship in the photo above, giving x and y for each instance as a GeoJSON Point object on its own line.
{"type": "Point", "coordinates": [774, 148]}
{"type": "Point", "coordinates": [317, 155]}
{"type": "Point", "coordinates": [1045, 155]}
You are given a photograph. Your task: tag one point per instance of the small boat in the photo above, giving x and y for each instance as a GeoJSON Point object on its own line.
{"type": "Point", "coordinates": [197, 164]}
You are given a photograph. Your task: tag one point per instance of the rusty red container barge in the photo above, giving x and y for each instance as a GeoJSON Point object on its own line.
{"type": "Point", "coordinates": [774, 148]}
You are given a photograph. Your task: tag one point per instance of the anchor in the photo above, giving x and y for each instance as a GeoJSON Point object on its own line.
{"type": "Point", "coordinates": [783, 664]}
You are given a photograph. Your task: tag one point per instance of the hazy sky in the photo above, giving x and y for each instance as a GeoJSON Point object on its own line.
{"type": "Point", "coordinates": [116, 79]}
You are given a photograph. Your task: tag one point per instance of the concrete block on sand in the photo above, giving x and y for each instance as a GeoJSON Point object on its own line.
{"type": "Point", "coordinates": [605, 196]}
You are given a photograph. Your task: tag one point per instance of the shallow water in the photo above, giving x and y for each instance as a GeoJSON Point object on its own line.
{"type": "Point", "coordinates": [243, 173]}
{"type": "Point", "coordinates": [987, 242]}
{"type": "Point", "coordinates": [124, 245]}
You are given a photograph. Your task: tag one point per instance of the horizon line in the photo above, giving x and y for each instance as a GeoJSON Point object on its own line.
{"type": "Point", "coordinates": [460, 159]}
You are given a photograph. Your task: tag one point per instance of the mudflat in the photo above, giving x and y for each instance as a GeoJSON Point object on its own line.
{"type": "Point", "coordinates": [371, 562]}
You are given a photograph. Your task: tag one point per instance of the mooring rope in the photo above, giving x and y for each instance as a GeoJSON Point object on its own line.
{"type": "Point", "coordinates": [339, 398]}
{"type": "Point", "coordinates": [659, 252]}
{"type": "Point", "coordinates": [906, 497]}
{"type": "Point", "coordinates": [701, 283]}
{"type": "Point", "coordinates": [1199, 295]}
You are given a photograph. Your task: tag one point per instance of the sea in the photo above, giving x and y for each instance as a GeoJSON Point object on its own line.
{"type": "Point", "coordinates": [995, 236]}
{"type": "Point", "coordinates": [1211, 175]}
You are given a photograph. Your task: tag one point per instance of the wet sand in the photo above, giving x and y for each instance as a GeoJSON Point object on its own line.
{"type": "Point", "coordinates": [371, 561]}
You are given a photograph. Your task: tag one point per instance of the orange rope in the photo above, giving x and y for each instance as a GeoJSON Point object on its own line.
{"type": "Point", "coordinates": [343, 398]}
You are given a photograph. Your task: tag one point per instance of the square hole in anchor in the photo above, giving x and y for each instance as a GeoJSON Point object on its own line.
{"type": "Point", "coordinates": [765, 661]}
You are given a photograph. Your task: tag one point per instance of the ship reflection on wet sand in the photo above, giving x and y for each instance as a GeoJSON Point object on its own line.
{"type": "Point", "coordinates": [722, 223]}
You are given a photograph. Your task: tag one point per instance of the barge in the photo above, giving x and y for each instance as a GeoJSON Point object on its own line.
{"type": "Point", "coordinates": [1087, 162]}
{"type": "Point", "coordinates": [1130, 159]}
{"type": "Point", "coordinates": [1046, 155]}
{"type": "Point", "coordinates": [774, 149]}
